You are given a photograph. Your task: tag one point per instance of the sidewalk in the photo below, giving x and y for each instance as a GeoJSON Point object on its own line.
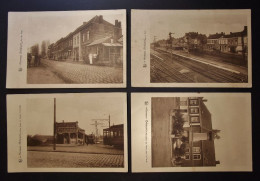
{"type": "Point", "coordinates": [89, 149]}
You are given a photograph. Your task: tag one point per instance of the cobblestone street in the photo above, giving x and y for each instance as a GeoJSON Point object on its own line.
{"type": "Point", "coordinates": [74, 156]}
{"type": "Point", "coordinates": [72, 160]}
{"type": "Point", "coordinates": [79, 73]}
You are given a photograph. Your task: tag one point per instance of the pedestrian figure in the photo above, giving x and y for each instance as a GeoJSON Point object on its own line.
{"type": "Point", "coordinates": [29, 59]}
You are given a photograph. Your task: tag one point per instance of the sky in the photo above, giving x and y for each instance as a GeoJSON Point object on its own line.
{"type": "Point", "coordinates": [204, 22]}
{"type": "Point", "coordinates": [54, 25]}
{"type": "Point", "coordinates": [231, 115]}
{"type": "Point", "coordinates": [40, 113]}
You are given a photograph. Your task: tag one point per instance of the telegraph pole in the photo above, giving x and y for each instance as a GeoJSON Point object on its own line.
{"type": "Point", "coordinates": [54, 126]}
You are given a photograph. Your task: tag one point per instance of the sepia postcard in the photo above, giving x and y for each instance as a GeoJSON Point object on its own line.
{"type": "Point", "coordinates": [191, 48]}
{"type": "Point", "coordinates": [66, 49]}
{"type": "Point", "coordinates": [84, 132]}
{"type": "Point", "coordinates": [191, 132]}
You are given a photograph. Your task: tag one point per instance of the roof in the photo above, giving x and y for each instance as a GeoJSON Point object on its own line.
{"type": "Point", "coordinates": [115, 127]}
{"type": "Point", "coordinates": [99, 41]}
{"type": "Point", "coordinates": [215, 36]}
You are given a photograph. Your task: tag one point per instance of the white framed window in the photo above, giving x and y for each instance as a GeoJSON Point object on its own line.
{"type": "Point", "coordinates": [196, 149]}
{"type": "Point", "coordinates": [187, 150]}
{"type": "Point", "coordinates": [193, 102]}
{"type": "Point", "coordinates": [194, 110]}
{"type": "Point", "coordinates": [194, 119]}
{"type": "Point", "coordinates": [187, 157]}
{"type": "Point", "coordinates": [196, 156]}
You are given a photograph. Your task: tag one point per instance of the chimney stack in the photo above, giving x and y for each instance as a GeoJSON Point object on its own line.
{"type": "Point", "coordinates": [100, 19]}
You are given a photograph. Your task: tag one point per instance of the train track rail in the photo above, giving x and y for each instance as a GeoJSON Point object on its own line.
{"type": "Point", "coordinates": [165, 72]}
{"type": "Point", "coordinates": [214, 73]}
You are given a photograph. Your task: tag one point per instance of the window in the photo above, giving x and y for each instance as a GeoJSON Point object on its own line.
{"type": "Point", "coordinates": [196, 156]}
{"type": "Point", "coordinates": [194, 110]}
{"type": "Point", "coordinates": [187, 156]}
{"type": "Point", "coordinates": [187, 150]}
{"type": "Point", "coordinates": [194, 119]}
{"type": "Point", "coordinates": [193, 102]}
{"type": "Point", "coordinates": [183, 103]}
{"type": "Point", "coordinates": [88, 35]}
{"type": "Point", "coordinates": [83, 37]}
{"type": "Point", "coordinates": [77, 40]}
{"type": "Point", "coordinates": [196, 149]}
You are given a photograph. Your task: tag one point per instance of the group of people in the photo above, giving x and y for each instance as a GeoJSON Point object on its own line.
{"type": "Point", "coordinates": [33, 60]}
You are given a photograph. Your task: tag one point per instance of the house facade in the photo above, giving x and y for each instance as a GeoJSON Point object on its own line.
{"type": "Point", "coordinates": [234, 42]}
{"type": "Point", "coordinates": [69, 133]}
{"type": "Point", "coordinates": [197, 138]}
{"type": "Point", "coordinates": [94, 42]}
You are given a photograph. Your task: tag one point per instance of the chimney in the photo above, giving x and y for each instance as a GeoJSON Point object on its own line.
{"type": "Point", "coordinates": [116, 23]}
{"type": "Point", "coordinates": [100, 18]}
{"type": "Point", "coordinates": [63, 121]}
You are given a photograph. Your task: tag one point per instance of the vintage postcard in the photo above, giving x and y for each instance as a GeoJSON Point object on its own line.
{"type": "Point", "coordinates": [191, 132]}
{"type": "Point", "coordinates": [191, 48]}
{"type": "Point", "coordinates": [67, 49]}
{"type": "Point", "coordinates": [67, 132]}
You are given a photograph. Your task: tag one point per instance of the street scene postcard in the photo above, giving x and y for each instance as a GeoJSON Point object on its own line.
{"type": "Point", "coordinates": [191, 132]}
{"type": "Point", "coordinates": [66, 49]}
{"type": "Point", "coordinates": [191, 48]}
{"type": "Point", "coordinates": [67, 132]}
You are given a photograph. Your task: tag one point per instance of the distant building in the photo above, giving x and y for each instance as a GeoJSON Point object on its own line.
{"type": "Point", "coordinates": [235, 42]}
{"type": "Point", "coordinates": [69, 133]}
{"type": "Point", "coordinates": [95, 42]}
{"type": "Point", "coordinates": [198, 136]}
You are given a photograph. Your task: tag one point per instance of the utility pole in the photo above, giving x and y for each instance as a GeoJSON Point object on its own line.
{"type": "Point", "coordinates": [54, 126]}
{"type": "Point", "coordinates": [170, 40]}
{"type": "Point", "coordinates": [97, 123]}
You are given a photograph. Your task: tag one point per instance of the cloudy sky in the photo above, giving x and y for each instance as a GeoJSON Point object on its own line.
{"type": "Point", "coordinates": [231, 114]}
{"type": "Point", "coordinates": [54, 25]}
{"type": "Point", "coordinates": [40, 112]}
{"type": "Point", "coordinates": [205, 22]}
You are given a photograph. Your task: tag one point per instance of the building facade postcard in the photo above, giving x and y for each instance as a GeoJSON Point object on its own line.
{"type": "Point", "coordinates": [67, 132]}
{"type": "Point", "coordinates": [66, 49]}
{"type": "Point", "coordinates": [191, 48]}
{"type": "Point", "coordinates": [191, 132]}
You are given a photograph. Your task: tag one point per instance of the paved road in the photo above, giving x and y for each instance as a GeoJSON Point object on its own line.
{"type": "Point", "coordinates": [36, 159]}
{"type": "Point", "coordinates": [95, 148]}
{"type": "Point", "coordinates": [79, 73]}
{"type": "Point", "coordinates": [42, 75]}
{"type": "Point", "coordinates": [161, 141]}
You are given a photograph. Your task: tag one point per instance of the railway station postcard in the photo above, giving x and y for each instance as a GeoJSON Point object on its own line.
{"type": "Point", "coordinates": [191, 132]}
{"type": "Point", "coordinates": [67, 49]}
{"type": "Point", "coordinates": [84, 132]}
{"type": "Point", "coordinates": [191, 48]}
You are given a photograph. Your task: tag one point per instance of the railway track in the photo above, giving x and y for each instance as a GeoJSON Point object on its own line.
{"type": "Point", "coordinates": [212, 72]}
{"type": "Point", "coordinates": [164, 72]}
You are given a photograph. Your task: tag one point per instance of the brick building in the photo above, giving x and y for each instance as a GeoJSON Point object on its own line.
{"type": "Point", "coordinates": [69, 133]}
{"type": "Point", "coordinates": [95, 42]}
{"type": "Point", "coordinates": [198, 135]}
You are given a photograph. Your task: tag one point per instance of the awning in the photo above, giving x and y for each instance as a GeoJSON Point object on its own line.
{"type": "Point", "coordinates": [112, 44]}
{"type": "Point", "coordinates": [99, 41]}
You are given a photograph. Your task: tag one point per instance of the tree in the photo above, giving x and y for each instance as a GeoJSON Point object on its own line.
{"type": "Point", "coordinates": [178, 152]}
{"type": "Point", "coordinates": [178, 122]}
{"type": "Point", "coordinates": [35, 49]}
{"type": "Point", "coordinates": [43, 49]}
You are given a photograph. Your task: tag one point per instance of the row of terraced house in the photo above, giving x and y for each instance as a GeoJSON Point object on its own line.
{"type": "Point", "coordinates": [234, 42]}
{"type": "Point", "coordinates": [94, 42]}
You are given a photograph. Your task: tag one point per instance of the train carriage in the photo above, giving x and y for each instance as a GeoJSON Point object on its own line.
{"type": "Point", "coordinates": [114, 136]}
